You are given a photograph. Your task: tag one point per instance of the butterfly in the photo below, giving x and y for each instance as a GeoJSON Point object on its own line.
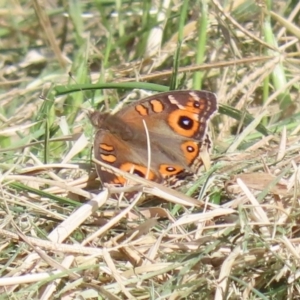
{"type": "Point", "coordinates": [172, 125]}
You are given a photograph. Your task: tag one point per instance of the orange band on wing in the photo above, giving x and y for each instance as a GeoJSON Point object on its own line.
{"type": "Point", "coordinates": [157, 106]}
{"type": "Point", "coordinates": [190, 150]}
{"type": "Point", "coordinates": [169, 170]}
{"type": "Point", "coordinates": [196, 107]}
{"type": "Point", "coordinates": [106, 147]}
{"type": "Point", "coordinates": [142, 110]}
{"type": "Point", "coordinates": [138, 170]}
{"type": "Point", "coordinates": [184, 122]}
{"type": "Point", "coordinates": [119, 180]}
{"type": "Point", "coordinates": [108, 158]}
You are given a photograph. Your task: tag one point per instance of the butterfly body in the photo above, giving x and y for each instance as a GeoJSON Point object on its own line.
{"type": "Point", "coordinates": [169, 130]}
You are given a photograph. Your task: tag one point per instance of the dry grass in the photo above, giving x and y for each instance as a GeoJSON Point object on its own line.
{"type": "Point", "coordinates": [231, 234]}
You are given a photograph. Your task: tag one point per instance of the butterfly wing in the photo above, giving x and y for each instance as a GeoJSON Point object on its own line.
{"type": "Point", "coordinates": [127, 155]}
{"type": "Point", "coordinates": [179, 114]}
{"type": "Point", "coordinates": [176, 125]}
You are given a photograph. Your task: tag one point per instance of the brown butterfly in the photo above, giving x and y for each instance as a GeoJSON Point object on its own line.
{"type": "Point", "coordinates": [176, 123]}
